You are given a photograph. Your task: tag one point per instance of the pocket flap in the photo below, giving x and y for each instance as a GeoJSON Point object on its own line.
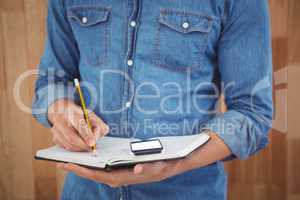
{"type": "Point", "coordinates": [185, 22]}
{"type": "Point", "coordinates": [89, 16]}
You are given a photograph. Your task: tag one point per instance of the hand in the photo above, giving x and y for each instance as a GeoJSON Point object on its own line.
{"type": "Point", "coordinates": [141, 173]}
{"type": "Point", "coordinates": [214, 150]}
{"type": "Point", "coordinates": [70, 130]}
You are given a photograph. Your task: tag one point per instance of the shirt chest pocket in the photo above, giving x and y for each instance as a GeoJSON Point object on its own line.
{"type": "Point", "coordinates": [90, 25]}
{"type": "Point", "coordinates": [181, 40]}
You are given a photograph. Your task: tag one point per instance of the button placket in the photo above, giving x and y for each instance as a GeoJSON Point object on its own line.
{"type": "Point", "coordinates": [133, 24]}
{"type": "Point", "coordinates": [129, 62]}
{"type": "Point", "coordinates": [129, 67]}
{"type": "Point", "coordinates": [128, 104]}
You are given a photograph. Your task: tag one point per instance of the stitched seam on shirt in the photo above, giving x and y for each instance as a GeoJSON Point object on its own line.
{"type": "Point", "coordinates": [157, 47]}
{"type": "Point", "coordinates": [70, 13]}
{"type": "Point", "coordinates": [63, 8]}
{"type": "Point", "coordinates": [163, 20]}
{"type": "Point", "coordinates": [157, 60]}
{"type": "Point", "coordinates": [97, 7]}
{"type": "Point", "coordinates": [157, 50]}
{"type": "Point", "coordinates": [106, 42]}
{"type": "Point", "coordinates": [102, 58]}
{"type": "Point", "coordinates": [181, 30]}
{"type": "Point", "coordinates": [185, 13]}
{"type": "Point", "coordinates": [87, 25]}
{"type": "Point", "coordinates": [225, 12]}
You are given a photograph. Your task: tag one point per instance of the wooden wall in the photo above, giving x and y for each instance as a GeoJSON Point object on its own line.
{"type": "Point", "coordinates": [273, 174]}
{"type": "Point", "coordinates": [270, 175]}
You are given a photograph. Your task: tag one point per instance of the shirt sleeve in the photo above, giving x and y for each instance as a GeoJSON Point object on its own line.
{"type": "Point", "coordinates": [59, 64]}
{"type": "Point", "coordinates": [245, 68]}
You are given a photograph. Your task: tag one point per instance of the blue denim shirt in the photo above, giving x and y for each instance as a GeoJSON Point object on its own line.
{"type": "Point", "coordinates": [157, 68]}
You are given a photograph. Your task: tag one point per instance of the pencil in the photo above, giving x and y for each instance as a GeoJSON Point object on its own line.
{"type": "Point", "coordinates": [83, 106]}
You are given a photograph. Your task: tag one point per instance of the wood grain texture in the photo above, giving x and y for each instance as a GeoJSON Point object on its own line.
{"type": "Point", "coordinates": [19, 185]}
{"type": "Point", "coordinates": [22, 38]}
{"type": "Point", "coordinates": [270, 175]}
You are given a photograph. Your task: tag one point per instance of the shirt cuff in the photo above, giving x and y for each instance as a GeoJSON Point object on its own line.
{"type": "Point", "coordinates": [48, 95]}
{"type": "Point", "coordinates": [238, 132]}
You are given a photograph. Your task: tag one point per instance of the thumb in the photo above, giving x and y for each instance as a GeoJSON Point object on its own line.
{"type": "Point", "coordinates": [139, 168]}
{"type": "Point", "coordinates": [146, 168]}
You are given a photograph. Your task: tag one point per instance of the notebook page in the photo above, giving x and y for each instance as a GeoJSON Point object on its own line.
{"type": "Point", "coordinates": [114, 151]}
{"type": "Point", "coordinates": [107, 149]}
{"type": "Point", "coordinates": [59, 154]}
{"type": "Point", "coordinates": [173, 147]}
{"type": "Point", "coordinates": [183, 145]}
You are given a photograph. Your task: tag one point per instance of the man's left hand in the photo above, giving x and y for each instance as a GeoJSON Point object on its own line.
{"type": "Point", "coordinates": [140, 173]}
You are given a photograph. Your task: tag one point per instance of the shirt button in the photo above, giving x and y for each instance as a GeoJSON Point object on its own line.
{"type": "Point", "coordinates": [133, 23]}
{"type": "Point", "coordinates": [84, 20]}
{"type": "Point", "coordinates": [130, 62]}
{"type": "Point", "coordinates": [185, 25]}
{"type": "Point", "coordinates": [128, 104]}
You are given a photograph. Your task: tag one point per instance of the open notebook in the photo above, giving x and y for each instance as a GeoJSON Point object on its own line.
{"type": "Point", "coordinates": [115, 152]}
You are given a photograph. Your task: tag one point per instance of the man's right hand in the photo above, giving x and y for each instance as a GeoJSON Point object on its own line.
{"type": "Point", "coordinates": [70, 129]}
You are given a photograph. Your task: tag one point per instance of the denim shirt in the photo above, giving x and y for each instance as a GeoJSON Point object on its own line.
{"type": "Point", "coordinates": [157, 68]}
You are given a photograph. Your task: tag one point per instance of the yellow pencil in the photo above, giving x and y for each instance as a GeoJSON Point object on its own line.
{"type": "Point", "coordinates": [83, 105]}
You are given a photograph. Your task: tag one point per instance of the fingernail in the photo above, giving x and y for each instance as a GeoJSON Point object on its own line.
{"type": "Point", "coordinates": [98, 135]}
{"type": "Point", "coordinates": [106, 128]}
{"type": "Point", "coordinates": [138, 169]}
{"type": "Point", "coordinates": [91, 142]}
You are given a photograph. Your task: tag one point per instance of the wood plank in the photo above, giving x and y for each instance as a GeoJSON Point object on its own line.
{"type": "Point", "coordinates": [293, 138]}
{"type": "Point", "coordinates": [294, 33]}
{"type": "Point", "coordinates": [5, 172]}
{"type": "Point", "coordinates": [44, 173]}
{"type": "Point", "coordinates": [18, 138]}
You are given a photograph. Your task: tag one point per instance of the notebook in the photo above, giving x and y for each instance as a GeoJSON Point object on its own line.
{"type": "Point", "coordinates": [113, 152]}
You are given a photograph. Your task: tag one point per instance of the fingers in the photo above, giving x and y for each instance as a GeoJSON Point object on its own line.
{"type": "Point", "coordinates": [142, 173]}
{"type": "Point", "coordinates": [141, 169]}
{"type": "Point", "coordinates": [68, 139]}
{"type": "Point", "coordinates": [58, 142]}
{"type": "Point", "coordinates": [81, 171]}
{"type": "Point", "coordinates": [70, 129]}
{"type": "Point", "coordinates": [76, 118]}
{"type": "Point", "coordinates": [72, 137]}
{"type": "Point", "coordinates": [99, 128]}
{"type": "Point", "coordinates": [114, 179]}
{"type": "Point", "coordinates": [138, 169]}
{"type": "Point", "coordinates": [99, 176]}
{"type": "Point", "coordinates": [61, 141]}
